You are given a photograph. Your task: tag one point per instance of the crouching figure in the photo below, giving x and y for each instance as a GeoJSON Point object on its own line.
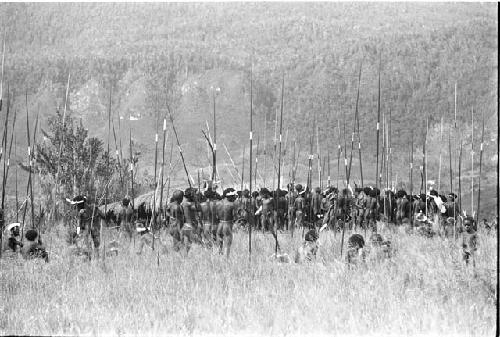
{"type": "Point", "coordinates": [355, 250]}
{"type": "Point", "coordinates": [307, 251]}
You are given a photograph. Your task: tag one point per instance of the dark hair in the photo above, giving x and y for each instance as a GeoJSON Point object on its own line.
{"type": "Point", "coordinates": [31, 235]}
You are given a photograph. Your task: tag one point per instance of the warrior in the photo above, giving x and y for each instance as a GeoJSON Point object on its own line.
{"type": "Point", "coordinates": [88, 220]}
{"type": "Point", "coordinates": [266, 210]}
{"type": "Point", "coordinates": [316, 205]}
{"type": "Point", "coordinates": [469, 240]}
{"type": "Point", "coordinates": [12, 243]}
{"type": "Point", "coordinates": [451, 205]}
{"type": "Point", "coordinates": [371, 213]}
{"type": "Point", "coordinates": [209, 218]}
{"type": "Point", "coordinates": [355, 253]}
{"type": "Point", "coordinates": [176, 214]}
{"type": "Point", "coordinates": [126, 217]}
{"type": "Point", "coordinates": [290, 199]}
{"type": "Point", "coordinates": [256, 203]}
{"type": "Point", "coordinates": [226, 212]}
{"type": "Point", "coordinates": [402, 208]}
{"type": "Point", "coordinates": [190, 226]}
{"type": "Point", "coordinates": [309, 248]}
{"type": "Point", "coordinates": [34, 249]}
{"type": "Point", "coordinates": [345, 206]}
{"type": "Point", "coordinates": [281, 209]}
{"type": "Point", "coordinates": [329, 219]}
{"type": "Point", "coordinates": [299, 207]}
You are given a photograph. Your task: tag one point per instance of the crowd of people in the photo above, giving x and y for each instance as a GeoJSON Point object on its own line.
{"type": "Point", "coordinates": [209, 218]}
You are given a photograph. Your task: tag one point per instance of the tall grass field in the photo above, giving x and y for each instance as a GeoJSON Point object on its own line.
{"type": "Point", "coordinates": [425, 289]}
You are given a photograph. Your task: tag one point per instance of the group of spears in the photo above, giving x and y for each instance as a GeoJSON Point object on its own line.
{"type": "Point", "coordinates": [204, 216]}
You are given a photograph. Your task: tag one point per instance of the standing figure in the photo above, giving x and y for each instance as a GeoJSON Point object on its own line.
{"type": "Point", "coordinates": [299, 208]}
{"type": "Point", "coordinates": [309, 248]}
{"type": "Point", "coordinates": [209, 218]}
{"type": "Point", "coordinates": [190, 226]}
{"type": "Point", "coordinates": [176, 214]}
{"type": "Point", "coordinates": [267, 210]}
{"type": "Point", "coordinates": [126, 218]}
{"type": "Point", "coordinates": [290, 200]}
{"type": "Point", "coordinates": [226, 212]}
{"type": "Point", "coordinates": [469, 241]}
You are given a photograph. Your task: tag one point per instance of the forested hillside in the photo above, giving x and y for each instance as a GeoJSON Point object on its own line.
{"type": "Point", "coordinates": [152, 53]}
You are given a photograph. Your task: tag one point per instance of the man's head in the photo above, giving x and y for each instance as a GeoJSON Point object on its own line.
{"type": "Point", "coordinates": [31, 235]}
{"type": "Point", "coordinates": [13, 228]}
{"type": "Point", "coordinates": [125, 202]}
{"type": "Point", "coordinates": [177, 196]}
{"type": "Point", "coordinates": [469, 224]}
{"type": "Point", "coordinates": [264, 192]}
{"type": "Point", "coordinates": [246, 193]}
{"type": "Point", "coordinates": [79, 201]}
{"type": "Point", "coordinates": [298, 187]}
{"type": "Point", "coordinates": [209, 194]}
{"type": "Point", "coordinates": [451, 196]}
{"type": "Point", "coordinates": [230, 194]}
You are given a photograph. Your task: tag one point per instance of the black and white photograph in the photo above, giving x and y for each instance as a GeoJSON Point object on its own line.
{"type": "Point", "coordinates": [249, 168]}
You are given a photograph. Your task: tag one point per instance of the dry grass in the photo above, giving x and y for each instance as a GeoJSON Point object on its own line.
{"type": "Point", "coordinates": [424, 290]}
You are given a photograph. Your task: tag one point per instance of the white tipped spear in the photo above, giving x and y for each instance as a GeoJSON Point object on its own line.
{"type": "Point", "coordinates": [480, 171]}
{"type": "Point", "coordinates": [472, 165]}
{"type": "Point", "coordinates": [378, 120]}
{"type": "Point", "coordinates": [3, 63]}
{"type": "Point", "coordinates": [153, 217]}
{"type": "Point", "coordinates": [440, 148]}
{"type": "Point", "coordinates": [250, 162]}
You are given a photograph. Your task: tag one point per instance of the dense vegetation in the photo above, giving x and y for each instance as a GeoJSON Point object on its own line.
{"type": "Point", "coordinates": [152, 53]}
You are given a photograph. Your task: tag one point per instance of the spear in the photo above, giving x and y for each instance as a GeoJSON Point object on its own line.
{"type": "Point", "coordinates": [451, 168]}
{"type": "Point", "coordinates": [274, 144]}
{"type": "Point", "coordinates": [231, 159]}
{"type": "Point", "coordinates": [17, 194]}
{"type": "Point", "coordinates": [318, 153]}
{"type": "Point", "coordinates": [4, 148]}
{"type": "Point", "coordinates": [6, 170]}
{"type": "Point", "coordinates": [279, 157]}
{"type": "Point", "coordinates": [338, 155]}
{"type": "Point", "coordinates": [214, 168]}
{"type": "Point", "coordinates": [480, 171]}
{"type": "Point", "coordinates": [242, 171]}
{"type": "Point", "coordinates": [3, 63]}
{"type": "Point", "coordinates": [170, 166]}
{"type": "Point", "coordinates": [163, 162]}
{"type": "Point", "coordinates": [459, 179]}
{"type": "Point", "coordinates": [356, 122]}
{"type": "Point", "coordinates": [180, 149]}
{"type": "Point", "coordinates": [153, 217]}
{"type": "Point", "coordinates": [30, 179]}
{"type": "Point", "coordinates": [328, 168]}
{"type": "Point", "coordinates": [107, 156]}
{"type": "Point", "coordinates": [378, 117]}
{"type": "Point", "coordinates": [131, 168]}
{"type": "Point", "coordinates": [472, 165]}
{"type": "Point", "coordinates": [345, 153]}
{"type": "Point", "coordinates": [425, 158]}
{"type": "Point", "coordinates": [256, 161]}
{"type": "Point", "coordinates": [265, 150]}
{"type": "Point", "coordinates": [117, 155]}
{"type": "Point", "coordinates": [250, 163]}
{"type": "Point", "coordinates": [440, 142]}
{"type": "Point", "coordinates": [411, 175]}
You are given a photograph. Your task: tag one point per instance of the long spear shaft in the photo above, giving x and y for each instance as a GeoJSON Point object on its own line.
{"type": "Point", "coordinates": [378, 119]}
{"type": "Point", "coordinates": [345, 153]}
{"type": "Point", "coordinates": [279, 157]}
{"type": "Point", "coordinates": [30, 179]}
{"type": "Point", "coordinates": [163, 162]}
{"type": "Point", "coordinates": [17, 193]}
{"type": "Point", "coordinates": [265, 151]}
{"type": "Point", "coordinates": [411, 175]}
{"type": "Point", "coordinates": [153, 218]}
{"type": "Point", "coordinates": [338, 155]}
{"type": "Point", "coordinates": [472, 165]}
{"type": "Point", "coordinates": [460, 176]}
{"type": "Point", "coordinates": [440, 150]}
{"type": "Point", "coordinates": [480, 171]}
{"type": "Point", "coordinates": [214, 168]}
{"type": "Point", "coordinates": [6, 170]}
{"type": "Point", "coordinates": [3, 149]}
{"type": "Point", "coordinates": [3, 63]}
{"type": "Point", "coordinates": [250, 164]}
{"type": "Point", "coordinates": [180, 149]}
{"type": "Point", "coordinates": [107, 156]}
{"type": "Point", "coordinates": [131, 168]}
{"type": "Point", "coordinates": [328, 183]}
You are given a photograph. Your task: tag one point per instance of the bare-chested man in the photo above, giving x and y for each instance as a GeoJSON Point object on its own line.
{"type": "Point", "coordinates": [267, 210]}
{"type": "Point", "coordinates": [209, 218]}
{"type": "Point", "coordinates": [188, 230]}
{"type": "Point", "coordinates": [226, 212]}
{"type": "Point", "coordinates": [299, 207]}
{"type": "Point", "coordinates": [126, 218]}
{"type": "Point", "coordinates": [175, 211]}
